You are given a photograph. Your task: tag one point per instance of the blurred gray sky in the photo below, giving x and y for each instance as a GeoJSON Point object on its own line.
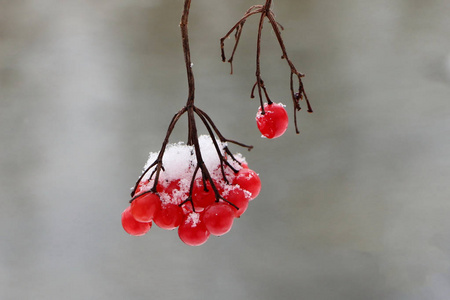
{"type": "Point", "coordinates": [355, 207]}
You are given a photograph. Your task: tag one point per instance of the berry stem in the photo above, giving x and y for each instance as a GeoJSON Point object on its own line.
{"type": "Point", "coordinates": [187, 52]}
{"type": "Point", "coordinates": [296, 97]}
{"type": "Point", "coordinates": [255, 9]}
{"type": "Point", "coordinates": [259, 82]}
{"type": "Point", "coordinates": [216, 146]}
{"type": "Point", "coordinates": [158, 161]}
{"type": "Point", "coordinates": [191, 188]}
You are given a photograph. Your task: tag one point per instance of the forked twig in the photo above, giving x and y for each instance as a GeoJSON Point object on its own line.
{"type": "Point", "coordinates": [266, 12]}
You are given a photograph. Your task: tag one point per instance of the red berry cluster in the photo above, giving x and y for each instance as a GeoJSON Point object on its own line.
{"type": "Point", "coordinates": [201, 187]}
{"type": "Point", "coordinates": [192, 204]}
{"type": "Point", "coordinates": [273, 121]}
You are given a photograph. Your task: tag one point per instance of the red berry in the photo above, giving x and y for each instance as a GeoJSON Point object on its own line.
{"type": "Point", "coordinates": [240, 198]}
{"type": "Point", "coordinates": [169, 187]}
{"type": "Point", "coordinates": [274, 122]}
{"type": "Point", "coordinates": [133, 227]}
{"type": "Point", "coordinates": [200, 197]}
{"type": "Point", "coordinates": [248, 180]}
{"type": "Point", "coordinates": [218, 218]}
{"type": "Point", "coordinates": [143, 207]}
{"type": "Point", "coordinates": [173, 192]}
{"type": "Point", "coordinates": [169, 216]}
{"type": "Point", "coordinates": [192, 230]}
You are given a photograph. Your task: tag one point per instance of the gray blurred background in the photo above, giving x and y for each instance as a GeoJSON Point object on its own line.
{"type": "Point", "coordinates": [355, 207]}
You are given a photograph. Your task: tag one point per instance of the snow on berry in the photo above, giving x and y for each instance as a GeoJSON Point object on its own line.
{"type": "Point", "coordinates": [193, 231]}
{"type": "Point", "coordinates": [239, 198]}
{"type": "Point", "coordinates": [179, 163]}
{"type": "Point", "coordinates": [248, 180]}
{"type": "Point", "coordinates": [184, 196]}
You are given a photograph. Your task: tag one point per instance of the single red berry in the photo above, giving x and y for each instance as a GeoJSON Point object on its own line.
{"type": "Point", "coordinates": [133, 227]}
{"type": "Point", "coordinates": [169, 216]}
{"type": "Point", "coordinates": [143, 207]}
{"type": "Point", "coordinates": [192, 230]}
{"type": "Point", "coordinates": [274, 122]}
{"type": "Point", "coordinates": [240, 198]}
{"type": "Point", "coordinates": [218, 218]}
{"type": "Point", "coordinates": [200, 197]}
{"type": "Point", "coordinates": [248, 180]}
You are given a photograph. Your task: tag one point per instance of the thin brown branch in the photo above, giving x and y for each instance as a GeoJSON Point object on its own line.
{"type": "Point", "coordinates": [221, 137]}
{"type": "Point", "coordinates": [266, 12]}
{"type": "Point", "coordinates": [158, 161]}
{"type": "Point", "coordinates": [255, 9]}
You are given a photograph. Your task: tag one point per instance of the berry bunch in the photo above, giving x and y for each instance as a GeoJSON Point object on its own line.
{"type": "Point", "coordinates": [200, 187]}
{"type": "Point", "coordinates": [184, 199]}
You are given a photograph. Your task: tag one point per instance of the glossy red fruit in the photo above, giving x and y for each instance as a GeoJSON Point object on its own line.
{"type": "Point", "coordinates": [218, 218]}
{"type": "Point", "coordinates": [248, 180]}
{"type": "Point", "coordinates": [200, 197]}
{"type": "Point", "coordinates": [173, 192]}
{"type": "Point", "coordinates": [274, 122]}
{"type": "Point", "coordinates": [192, 230]}
{"type": "Point", "coordinates": [143, 207]}
{"type": "Point", "coordinates": [133, 227]}
{"type": "Point", "coordinates": [169, 216]}
{"type": "Point", "coordinates": [240, 198]}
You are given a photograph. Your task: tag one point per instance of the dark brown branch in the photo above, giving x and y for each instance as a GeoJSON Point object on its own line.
{"type": "Point", "coordinates": [157, 166]}
{"type": "Point", "coordinates": [238, 27]}
{"type": "Point", "coordinates": [187, 52]}
{"type": "Point", "coordinates": [221, 137]}
{"type": "Point", "coordinates": [301, 90]}
{"type": "Point", "coordinates": [266, 12]}
{"type": "Point", "coordinates": [191, 188]}
{"type": "Point", "coordinates": [222, 159]}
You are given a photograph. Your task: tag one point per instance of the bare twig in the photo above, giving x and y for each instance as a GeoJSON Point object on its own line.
{"type": "Point", "coordinates": [266, 12]}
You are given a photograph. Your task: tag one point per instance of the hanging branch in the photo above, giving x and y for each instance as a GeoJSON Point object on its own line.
{"type": "Point", "coordinates": [266, 12]}
{"type": "Point", "coordinates": [157, 166]}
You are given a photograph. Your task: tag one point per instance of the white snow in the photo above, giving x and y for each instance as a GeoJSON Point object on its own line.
{"type": "Point", "coordinates": [179, 162]}
{"type": "Point", "coordinates": [193, 218]}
